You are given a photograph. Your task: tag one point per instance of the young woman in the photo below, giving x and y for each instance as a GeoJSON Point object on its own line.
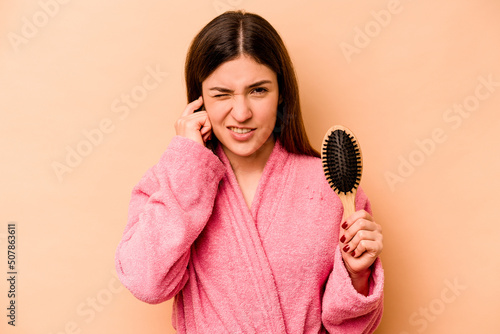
{"type": "Point", "coordinates": [236, 220]}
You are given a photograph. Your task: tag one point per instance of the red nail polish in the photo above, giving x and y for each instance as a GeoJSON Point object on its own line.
{"type": "Point", "coordinates": [344, 226]}
{"type": "Point", "coordinates": [346, 248]}
{"type": "Point", "coordinates": [342, 239]}
{"type": "Point", "coordinates": [353, 253]}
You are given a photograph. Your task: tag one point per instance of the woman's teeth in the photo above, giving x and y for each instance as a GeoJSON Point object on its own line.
{"type": "Point", "coordinates": [238, 130]}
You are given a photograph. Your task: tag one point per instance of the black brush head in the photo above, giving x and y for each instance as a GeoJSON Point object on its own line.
{"type": "Point", "coordinates": [342, 161]}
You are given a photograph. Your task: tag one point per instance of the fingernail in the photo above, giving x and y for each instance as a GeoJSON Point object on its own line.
{"type": "Point", "coordinates": [346, 248]}
{"type": "Point", "coordinates": [344, 226]}
{"type": "Point", "coordinates": [342, 239]}
{"type": "Point", "coordinates": [353, 253]}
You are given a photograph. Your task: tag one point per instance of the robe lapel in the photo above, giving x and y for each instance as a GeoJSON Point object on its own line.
{"type": "Point", "coordinates": [270, 190]}
{"type": "Point", "coordinates": [248, 230]}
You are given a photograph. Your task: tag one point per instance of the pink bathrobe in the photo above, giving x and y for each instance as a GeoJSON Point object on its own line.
{"type": "Point", "coordinates": [275, 268]}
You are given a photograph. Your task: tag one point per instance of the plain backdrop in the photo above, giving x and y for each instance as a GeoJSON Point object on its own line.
{"type": "Point", "coordinates": [89, 93]}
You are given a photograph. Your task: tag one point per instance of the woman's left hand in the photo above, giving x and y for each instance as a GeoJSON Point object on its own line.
{"type": "Point", "coordinates": [361, 244]}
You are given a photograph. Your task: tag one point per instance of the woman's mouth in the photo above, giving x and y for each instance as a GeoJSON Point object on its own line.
{"type": "Point", "coordinates": [241, 134]}
{"type": "Point", "coordinates": [240, 130]}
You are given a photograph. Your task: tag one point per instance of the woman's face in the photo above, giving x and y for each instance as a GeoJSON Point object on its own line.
{"type": "Point", "coordinates": [241, 99]}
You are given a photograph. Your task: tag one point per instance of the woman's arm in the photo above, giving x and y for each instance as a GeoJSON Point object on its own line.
{"type": "Point", "coordinates": [353, 298]}
{"type": "Point", "coordinates": [347, 311]}
{"type": "Point", "coordinates": [168, 209]}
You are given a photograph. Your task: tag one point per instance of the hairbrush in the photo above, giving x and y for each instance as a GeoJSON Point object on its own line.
{"type": "Point", "coordinates": [342, 164]}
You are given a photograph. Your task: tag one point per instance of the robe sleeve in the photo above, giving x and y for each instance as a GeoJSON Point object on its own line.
{"type": "Point", "coordinates": [345, 310]}
{"type": "Point", "coordinates": [169, 208]}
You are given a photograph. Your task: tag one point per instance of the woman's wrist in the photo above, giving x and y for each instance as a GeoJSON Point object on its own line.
{"type": "Point", "coordinates": [361, 281]}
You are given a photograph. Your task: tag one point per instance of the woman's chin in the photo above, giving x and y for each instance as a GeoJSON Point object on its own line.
{"type": "Point", "coordinates": [244, 148]}
{"type": "Point", "coordinates": [240, 149]}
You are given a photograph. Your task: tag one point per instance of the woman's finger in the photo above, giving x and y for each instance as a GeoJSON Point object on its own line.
{"type": "Point", "coordinates": [349, 245]}
{"type": "Point", "coordinates": [194, 126]}
{"type": "Point", "coordinates": [191, 107]}
{"type": "Point", "coordinates": [372, 248]}
{"type": "Point", "coordinates": [206, 126]}
{"type": "Point", "coordinates": [206, 130]}
{"type": "Point", "coordinates": [360, 214]}
{"type": "Point", "coordinates": [359, 225]}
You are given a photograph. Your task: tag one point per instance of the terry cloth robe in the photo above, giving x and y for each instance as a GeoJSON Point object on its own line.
{"type": "Point", "coordinates": [275, 268]}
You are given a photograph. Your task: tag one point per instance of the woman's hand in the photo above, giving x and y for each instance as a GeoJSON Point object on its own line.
{"type": "Point", "coordinates": [361, 244]}
{"type": "Point", "coordinates": [194, 125]}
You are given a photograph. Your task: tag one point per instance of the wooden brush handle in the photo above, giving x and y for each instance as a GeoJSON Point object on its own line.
{"type": "Point", "coordinates": [348, 201]}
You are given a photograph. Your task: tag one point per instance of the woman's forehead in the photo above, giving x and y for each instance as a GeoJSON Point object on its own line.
{"type": "Point", "coordinates": [243, 71]}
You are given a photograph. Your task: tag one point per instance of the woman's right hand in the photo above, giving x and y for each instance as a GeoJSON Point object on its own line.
{"type": "Point", "coordinates": [194, 125]}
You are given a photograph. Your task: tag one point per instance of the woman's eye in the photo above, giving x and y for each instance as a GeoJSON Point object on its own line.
{"type": "Point", "coordinates": [220, 95]}
{"type": "Point", "coordinates": [260, 90]}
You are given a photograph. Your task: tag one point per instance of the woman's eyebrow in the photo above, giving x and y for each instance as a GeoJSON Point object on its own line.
{"type": "Point", "coordinates": [226, 90]}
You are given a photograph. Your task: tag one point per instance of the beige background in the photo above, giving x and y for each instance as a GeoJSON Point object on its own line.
{"type": "Point", "coordinates": [395, 72]}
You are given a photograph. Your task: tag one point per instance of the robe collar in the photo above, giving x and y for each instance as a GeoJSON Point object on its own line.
{"type": "Point", "coordinates": [271, 183]}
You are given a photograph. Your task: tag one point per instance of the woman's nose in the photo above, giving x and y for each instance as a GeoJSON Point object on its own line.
{"type": "Point", "coordinates": [241, 111]}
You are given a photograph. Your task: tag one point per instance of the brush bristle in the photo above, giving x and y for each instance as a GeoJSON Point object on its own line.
{"type": "Point", "coordinates": [342, 163]}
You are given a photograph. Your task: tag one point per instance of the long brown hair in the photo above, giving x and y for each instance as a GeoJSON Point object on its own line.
{"type": "Point", "coordinates": [232, 34]}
